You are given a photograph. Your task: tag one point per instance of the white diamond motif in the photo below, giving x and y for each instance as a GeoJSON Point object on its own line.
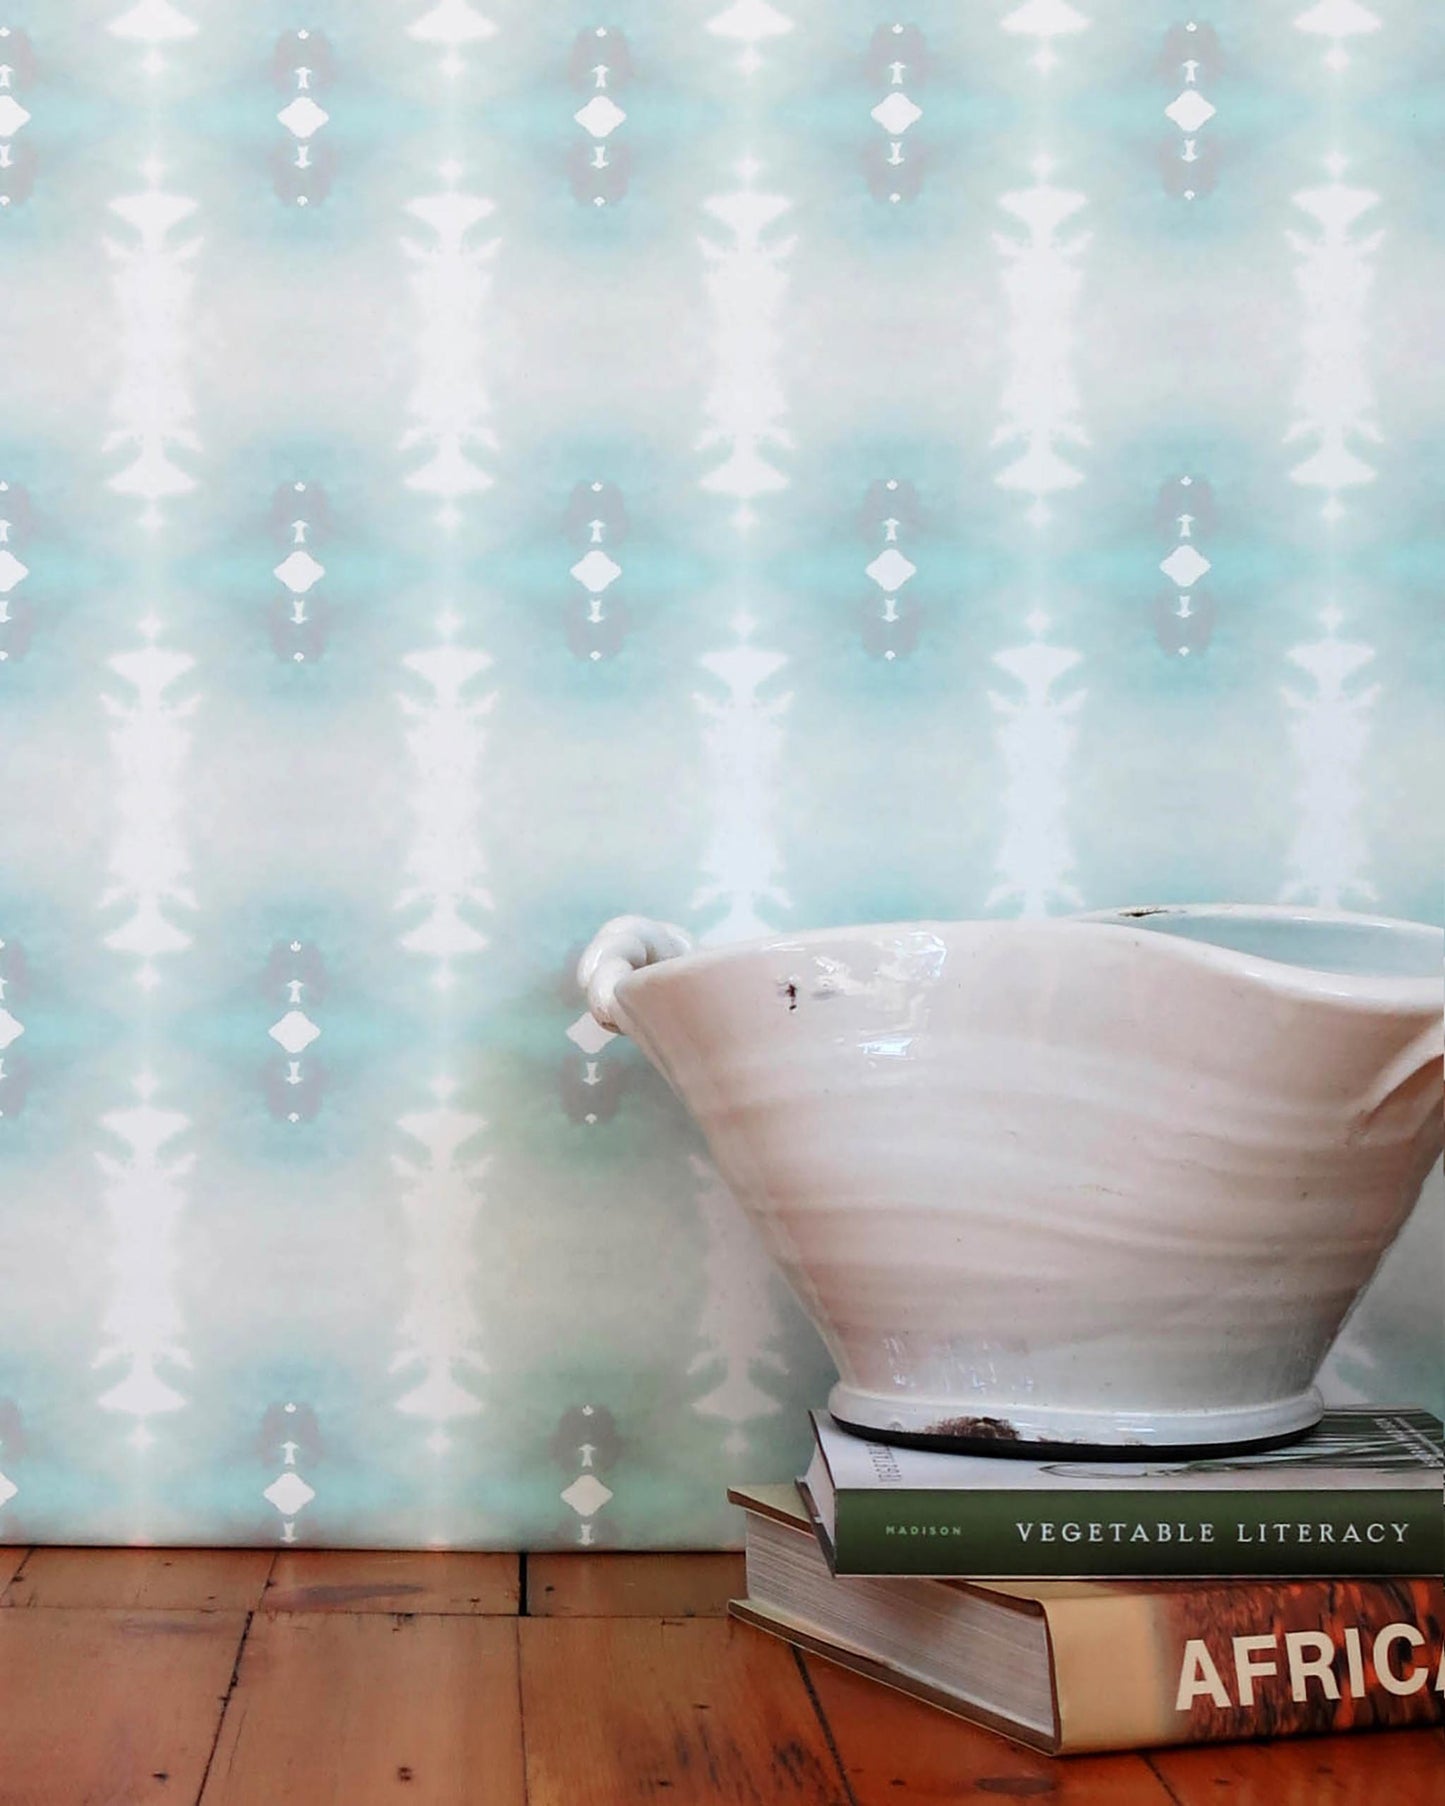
{"type": "Point", "coordinates": [596, 571]}
{"type": "Point", "coordinates": [8, 1489]}
{"type": "Point", "coordinates": [751, 21]}
{"type": "Point", "coordinates": [289, 1493]}
{"type": "Point", "coordinates": [154, 21]}
{"type": "Point", "coordinates": [890, 570]}
{"type": "Point", "coordinates": [12, 115]}
{"type": "Point", "coordinates": [586, 1032]}
{"type": "Point", "coordinates": [11, 1030]}
{"type": "Point", "coordinates": [11, 571]}
{"type": "Point", "coordinates": [600, 116]}
{"type": "Point", "coordinates": [586, 1495]}
{"type": "Point", "coordinates": [1184, 566]}
{"type": "Point", "coordinates": [1189, 111]}
{"type": "Point", "coordinates": [452, 22]}
{"type": "Point", "coordinates": [299, 572]}
{"type": "Point", "coordinates": [294, 1031]}
{"type": "Point", "coordinates": [1044, 19]}
{"type": "Point", "coordinates": [896, 113]}
{"type": "Point", "coordinates": [1338, 19]}
{"type": "Point", "coordinates": [303, 116]}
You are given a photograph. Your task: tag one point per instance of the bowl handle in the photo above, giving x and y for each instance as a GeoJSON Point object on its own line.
{"type": "Point", "coordinates": [623, 945]}
{"type": "Point", "coordinates": [1415, 1069]}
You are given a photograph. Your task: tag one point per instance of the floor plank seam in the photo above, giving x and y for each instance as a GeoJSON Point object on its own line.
{"type": "Point", "coordinates": [225, 1706]}
{"type": "Point", "coordinates": [5, 1599]}
{"type": "Point", "coordinates": [522, 1711]}
{"type": "Point", "coordinates": [1160, 1777]}
{"type": "Point", "coordinates": [267, 1581]}
{"type": "Point", "coordinates": [524, 1607]}
{"type": "Point", "coordinates": [826, 1728]}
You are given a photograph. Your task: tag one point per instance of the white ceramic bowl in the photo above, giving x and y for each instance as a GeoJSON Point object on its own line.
{"type": "Point", "coordinates": [1112, 1181]}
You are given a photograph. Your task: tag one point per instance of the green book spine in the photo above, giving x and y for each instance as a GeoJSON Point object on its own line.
{"type": "Point", "coordinates": [1141, 1535]}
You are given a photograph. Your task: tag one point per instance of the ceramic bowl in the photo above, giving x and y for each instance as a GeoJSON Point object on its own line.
{"type": "Point", "coordinates": [1110, 1181]}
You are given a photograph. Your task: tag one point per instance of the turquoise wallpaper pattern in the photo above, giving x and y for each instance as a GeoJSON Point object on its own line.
{"type": "Point", "coordinates": [471, 467]}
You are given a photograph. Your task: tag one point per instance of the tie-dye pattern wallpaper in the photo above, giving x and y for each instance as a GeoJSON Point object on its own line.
{"type": "Point", "coordinates": [471, 467]}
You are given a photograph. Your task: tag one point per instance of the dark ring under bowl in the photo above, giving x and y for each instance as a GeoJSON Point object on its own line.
{"type": "Point", "coordinates": [1010, 1450]}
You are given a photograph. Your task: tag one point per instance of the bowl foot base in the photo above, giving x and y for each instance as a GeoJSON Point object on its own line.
{"type": "Point", "coordinates": [1033, 1431]}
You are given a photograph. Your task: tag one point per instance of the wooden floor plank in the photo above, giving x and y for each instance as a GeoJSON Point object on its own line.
{"type": "Point", "coordinates": [352, 1709]}
{"type": "Point", "coordinates": [103, 1707]}
{"type": "Point", "coordinates": [894, 1748]}
{"type": "Point", "coordinates": [372, 1580]}
{"type": "Point", "coordinates": [692, 1712]}
{"type": "Point", "coordinates": [1404, 1768]}
{"type": "Point", "coordinates": [632, 1586]}
{"type": "Point", "coordinates": [393, 1682]}
{"type": "Point", "coordinates": [165, 1580]}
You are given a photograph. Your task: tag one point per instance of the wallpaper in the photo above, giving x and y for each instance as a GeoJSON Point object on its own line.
{"type": "Point", "coordinates": [472, 467]}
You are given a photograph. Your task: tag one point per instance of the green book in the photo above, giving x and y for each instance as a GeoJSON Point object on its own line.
{"type": "Point", "coordinates": [1362, 1494]}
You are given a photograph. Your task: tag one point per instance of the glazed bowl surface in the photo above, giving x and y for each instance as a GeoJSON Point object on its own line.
{"type": "Point", "coordinates": [1112, 1181]}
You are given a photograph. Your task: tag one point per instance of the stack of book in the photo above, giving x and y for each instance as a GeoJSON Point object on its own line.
{"type": "Point", "coordinates": [1090, 1605]}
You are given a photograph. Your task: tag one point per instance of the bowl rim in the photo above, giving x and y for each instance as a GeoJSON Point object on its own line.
{"type": "Point", "coordinates": [1364, 991]}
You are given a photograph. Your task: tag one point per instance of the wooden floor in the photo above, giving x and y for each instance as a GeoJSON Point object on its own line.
{"type": "Point", "coordinates": [243, 1678]}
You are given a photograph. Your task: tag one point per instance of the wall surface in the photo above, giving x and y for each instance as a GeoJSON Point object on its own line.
{"type": "Point", "coordinates": [474, 466]}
